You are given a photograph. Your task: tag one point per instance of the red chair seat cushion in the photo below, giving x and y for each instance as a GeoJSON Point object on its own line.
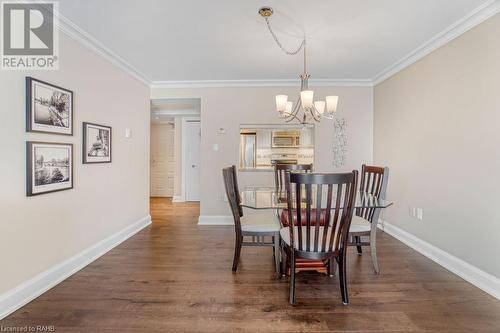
{"type": "Point", "coordinates": [284, 217]}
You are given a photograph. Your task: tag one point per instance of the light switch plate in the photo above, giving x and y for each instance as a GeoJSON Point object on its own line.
{"type": "Point", "coordinates": [215, 147]}
{"type": "Point", "coordinates": [128, 133]}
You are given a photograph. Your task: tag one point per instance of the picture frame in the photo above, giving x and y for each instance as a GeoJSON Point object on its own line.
{"type": "Point", "coordinates": [49, 167]}
{"type": "Point", "coordinates": [97, 143]}
{"type": "Point", "coordinates": [49, 108]}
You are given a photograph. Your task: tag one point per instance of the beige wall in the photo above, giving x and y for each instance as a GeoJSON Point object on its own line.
{"type": "Point", "coordinates": [437, 128]}
{"type": "Point", "coordinates": [230, 107]}
{"type": "Point", "coordinates": [39, 232]}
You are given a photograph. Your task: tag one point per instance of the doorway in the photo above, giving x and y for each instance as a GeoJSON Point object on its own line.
{"type": "Point", "coordinates": [175, 169]}
{"type": "Point", "coordinates": [162, 160]}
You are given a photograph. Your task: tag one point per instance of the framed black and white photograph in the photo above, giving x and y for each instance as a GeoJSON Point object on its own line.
{"type": "Point", "coordinates": [49, 167]}
{"type": "Point", "coordinates": [49, 108]}
{"type": "Point", "coordinates": [96, 143]}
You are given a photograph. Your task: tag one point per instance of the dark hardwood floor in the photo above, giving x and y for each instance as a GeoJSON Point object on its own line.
{"type": "Point", "coordinates": [176, 277]}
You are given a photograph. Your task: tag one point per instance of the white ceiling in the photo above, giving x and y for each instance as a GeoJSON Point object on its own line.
{"type": "Point", "coordinates": [227, 40]}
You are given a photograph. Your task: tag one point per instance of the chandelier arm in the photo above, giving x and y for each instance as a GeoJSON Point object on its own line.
{"type": "Point", "coordinates": [279, 43]}
{"type": "Point", "coordinates": [297, 107]}
{"type": "Point", "coordinates": [315, 114]}
{"type": "Point", "coordinates": [295, 111]}
{"type": "Point", "coordinates": [292, 118]}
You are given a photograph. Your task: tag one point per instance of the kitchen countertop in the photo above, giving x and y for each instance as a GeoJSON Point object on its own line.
{"type": "Point", "coordinates": [258, 169]}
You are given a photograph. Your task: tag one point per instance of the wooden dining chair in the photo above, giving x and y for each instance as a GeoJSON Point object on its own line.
{"type": "Point", "coordinates": [257, 226]}
{"type": "Point", "coordinates": [280, 171]}
{"type": "Point", "coordinates": [364, 223]}
{"type": "Point", "coordinates": [315, 241]}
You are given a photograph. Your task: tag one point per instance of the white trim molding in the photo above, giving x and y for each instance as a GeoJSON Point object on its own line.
{"type": "Point", "coordinates": [260, 83]}
{"type": "Point", "coordinates": [215, 220]}
{"type": "Point", "coordinates": [474, 18]}
{"type": "Point", "coordinates": [468, 272]}
{"type": "Point", "coordinates": [463, 25]}
{"type": "Point", "coordinates": [17, 297]}
{"type": "Point", "coordinates": [73, 31]}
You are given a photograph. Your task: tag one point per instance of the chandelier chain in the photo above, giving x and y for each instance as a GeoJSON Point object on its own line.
{"type": "Point", "coordinates": [279, 43]}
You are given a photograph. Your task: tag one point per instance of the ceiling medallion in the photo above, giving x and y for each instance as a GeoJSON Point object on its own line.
{"type": "Point", "coordinates": [306, 109]}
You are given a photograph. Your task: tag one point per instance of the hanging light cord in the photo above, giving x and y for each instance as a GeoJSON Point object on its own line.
{"type": "Point", "coordinates": [302, 44]}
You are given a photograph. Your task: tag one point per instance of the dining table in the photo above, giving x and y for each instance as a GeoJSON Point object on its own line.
{"type": "Point", "coordinates": [270, 198]}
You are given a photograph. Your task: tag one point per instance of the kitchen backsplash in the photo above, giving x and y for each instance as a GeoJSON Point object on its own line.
{"type": "Point", "coordinates": [303, 155]}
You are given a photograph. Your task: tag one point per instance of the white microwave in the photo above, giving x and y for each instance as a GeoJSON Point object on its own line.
{"type": "Point", "coordinates": [285, 139]}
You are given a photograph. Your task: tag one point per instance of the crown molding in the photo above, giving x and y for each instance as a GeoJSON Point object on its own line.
{"type": "Point", "coordinates": [474, 18]}
{"type": "Point", "coordinates": [78, 34]}
{"type": "Point", "coordinates": [260, 83]}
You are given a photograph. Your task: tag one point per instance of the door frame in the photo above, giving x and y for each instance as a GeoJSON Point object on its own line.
{"type": "Point", "coordinates": [185, 120]}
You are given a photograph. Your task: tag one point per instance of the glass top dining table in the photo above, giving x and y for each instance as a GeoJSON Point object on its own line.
{"type": "Point", "coordinates": [270, 198]}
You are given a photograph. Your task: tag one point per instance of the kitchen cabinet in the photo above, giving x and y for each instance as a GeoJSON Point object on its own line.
{"type": "Point", "coordinates": [263, 139]}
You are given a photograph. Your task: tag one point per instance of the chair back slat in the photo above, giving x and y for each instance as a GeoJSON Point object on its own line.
{"type": "Point", "coordinates": [280, 171]}
{"type": "Point", "coordinates": [333, 232]}
{"type": "Point", "coordinates": [319, 191]}
{"type": "Point", "coordinates": [373, 181]}
{"type": "Point", "coordinates": [299, 208]}
{"type": "Point", "coordinates": [230, 184]}
{"type": "Point", "coordinates": [308, 189]}
{"type": "Point", "coordinates": [327, 215]}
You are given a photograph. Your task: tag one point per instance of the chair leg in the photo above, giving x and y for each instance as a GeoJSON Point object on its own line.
{"type": "Point", "coordinates": [283, 261]}
{"type": "Point", "coordinates": [343, 279]}
{"type": "Point", "coordinates": [357, 239]}
{"type": "Point", "coordinates": [237, 251]}
{"type": "Point", "coordinates": [292, 277]}
{"type": "Point", "coordinates": [331, 267]}
{"type": "Point", "coordinates": [373, 249]}
{"type": "Point", "coordinates": [277, 252]}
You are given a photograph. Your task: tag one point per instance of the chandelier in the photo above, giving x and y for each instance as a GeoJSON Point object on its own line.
{"type": "Point", "coordinates": [306, 108]}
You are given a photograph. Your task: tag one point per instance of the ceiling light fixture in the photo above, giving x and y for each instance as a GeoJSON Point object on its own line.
{"type": "Point", "coordinates": [310, 109]}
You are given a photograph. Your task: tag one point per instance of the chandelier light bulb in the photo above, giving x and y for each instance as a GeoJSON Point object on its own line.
{"type": "Point", "coordinates": [306, 96]}
{"type": "Point", "coordinates": [320, 106]}
{"type": "Point", "coordinates": [281, 101]}
{"type": "Point", "coordinates": [331, 104]}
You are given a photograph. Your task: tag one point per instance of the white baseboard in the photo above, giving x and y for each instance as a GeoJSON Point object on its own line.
{"type": "Point", "coordinates": [215, 220]}
{"type": "Point", "coordinates": [15, 298]}
{"type": "Point", "coordinates": [178, 198]}
{"type": "Point", "coordinates": [468, 272]}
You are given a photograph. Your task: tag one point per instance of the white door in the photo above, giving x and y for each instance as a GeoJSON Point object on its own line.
{"type": "Point", "coordinates": [162, 161]}
{"type": "Point", "coordinates": [192, 162]}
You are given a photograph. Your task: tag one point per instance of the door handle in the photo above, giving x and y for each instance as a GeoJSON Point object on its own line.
{"type": "Point", "coordinates": [193, 166]}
